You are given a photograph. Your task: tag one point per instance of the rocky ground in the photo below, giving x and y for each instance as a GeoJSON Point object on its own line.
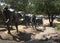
{"type": "Point", "coordinates": [44, 34]}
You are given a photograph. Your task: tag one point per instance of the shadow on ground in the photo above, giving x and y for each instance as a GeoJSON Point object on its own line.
{"type": "Point", "coordinates": [18, 37]}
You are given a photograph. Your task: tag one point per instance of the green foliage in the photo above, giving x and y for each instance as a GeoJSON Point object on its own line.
{"type": "Point", "coordinates": [18, 4]}
{"type": "Point", "coordinates": [52, 7]}
{"type": "Point", "coordinates": [36, 6]}
{"type": "Point", "coordinates": [45, 6]}
{"type": "Point", "coordinates": [30, 8]}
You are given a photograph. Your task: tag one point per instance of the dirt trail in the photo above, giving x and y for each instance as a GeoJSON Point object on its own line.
{"type": "Point", "coordinates": [48, 30]}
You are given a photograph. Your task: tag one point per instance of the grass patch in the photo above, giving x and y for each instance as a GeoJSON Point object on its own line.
{"type": "Point", "coordinates": [58, 27]}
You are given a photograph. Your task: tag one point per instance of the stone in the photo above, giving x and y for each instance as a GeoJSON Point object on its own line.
{"type": "Point", "coordinates": [40, 36]}
{"type": "Point", "coordinates": [41, 28]}
{"type": "Point", "coordinates": [47, 34]}
{"type": "Point", "coordinates": [6, 36]}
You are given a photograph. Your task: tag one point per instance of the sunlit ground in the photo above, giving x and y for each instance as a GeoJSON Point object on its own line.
{"type": "Point", "coordinates": [23, 29]}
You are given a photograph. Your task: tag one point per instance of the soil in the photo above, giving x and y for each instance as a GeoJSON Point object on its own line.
{"type": "Point", "coordinates": [26, 33]}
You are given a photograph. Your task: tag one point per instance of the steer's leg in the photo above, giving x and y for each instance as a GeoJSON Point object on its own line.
{"type": "Point", "coordinates": [8, 28]}
{"type": "Point", "coordinates": [16, 24]}
{"type": "Point", "coordinates": [32, 25]}
{"type": "Point", "coordinates": [35, 25]}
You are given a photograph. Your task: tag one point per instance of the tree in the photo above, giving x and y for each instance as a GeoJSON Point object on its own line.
{"type": "Point", "coordinates": [35, 6]}
{"type": "Point", "coordinates": [51, 10]}
{"type": "Point", "coordinates": [49, 7]}
{"type": "Point", "coordinates": [19, 5]}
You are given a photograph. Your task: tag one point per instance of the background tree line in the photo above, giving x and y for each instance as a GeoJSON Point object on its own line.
{"type": "Point", "coordinates": [35, 6]}
{"type": "Point", "coordinates": [49, 7]}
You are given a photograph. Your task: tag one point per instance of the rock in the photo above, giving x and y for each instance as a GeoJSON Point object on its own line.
{"type": "Point", "coordinates": [29, 30]}
{"type": "Point", "coordinates": [2, 29]}
{"type": "Point", "coordinates": [40, 36]}
{"type": "Point", "coordinates": [17, 39]}
{"type": "Point", "coordinates": [47, 34]}
{"type": "Point", "coordinates": [41, 28]}
{"type": "Point", "coordinates": [14, 33]}
{"type": "Point", "coordinates": [6, 36]}
{"type": "Point", "coordinates": [50, 31]}
{"type": "Point", "coordinates": [22, 42]}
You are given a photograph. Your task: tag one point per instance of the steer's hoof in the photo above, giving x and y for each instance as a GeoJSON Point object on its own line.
{"type": "Point", "coordinates": [9, 32]}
